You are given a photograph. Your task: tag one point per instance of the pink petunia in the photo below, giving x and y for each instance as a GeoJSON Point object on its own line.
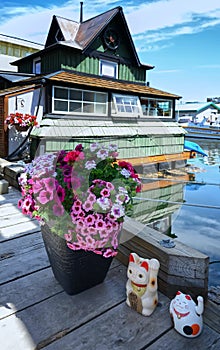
{"type": "Point", "coordinates": [90, 242]}
{"type": "Point", "coordinates": [49, 184]}
{"type": "Point", "coordinates": [68, 236]}
{"type": "Point", "coordinates": [105, 192]}
{"type": "Point", "coordinates": [90, 220]}
{"type": "Point", "coordinates": [110, 186]}
{"type": "Point", "coordinates": [108, 253]}
{"type": "Point", "coordinates": [100, 224]}
{"type": "Point", "coordinates": [87, 206]}
{"type": "Point", "coordinates": [60, 193]}
{"type": "Point", "coordinates": [37, 186]}
{"type": "Point", "coordinates": [58, 210]}
{"type": "Point", "coordinates": [45, 196]}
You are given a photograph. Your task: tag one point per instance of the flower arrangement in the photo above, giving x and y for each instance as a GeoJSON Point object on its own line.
{"type": "Point", "coordinates": [82, 195]}
{"type": "Point", "coordinates": [20, 119]}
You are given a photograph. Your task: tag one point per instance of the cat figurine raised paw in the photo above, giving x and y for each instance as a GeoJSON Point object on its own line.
{"type": "Point", "coordinates": [186, 315]}
{"type": "Point", "coordinates": [141, 286]}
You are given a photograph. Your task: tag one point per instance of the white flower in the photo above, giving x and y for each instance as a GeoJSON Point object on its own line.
{"type": "Point", "coordinates": [122, 189]}
{"type": "Point", "coordinates": [94, 146]}
{"type": "Point", "coordinates": [126, 173]}
{"type": "Point", "coordinates": [90, 164]}
{"type": "Point", "coordinates": [23, 179]}
{"type": "Point", "coordinates": [122, 198]}
{"type": "Point", "coordinates": [113, 148]}
{"type": "Point", "coordinates": [117, 211]}
{"type": "Point", "coordinates": [104, 203]}
{"type": "Point", "coordinates": [102, 153]}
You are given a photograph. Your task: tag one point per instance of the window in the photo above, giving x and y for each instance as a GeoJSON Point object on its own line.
{"type": "Point", "coordinates": [37, 65]}
{"type": "Point", "coordinates": [74, 101]}
{"type": "Point", "coordinates": [156, 107]}
{"type": "Point", "coordinates": [109, 69]}
{"type": "Point", "coordinates": [125, 105]}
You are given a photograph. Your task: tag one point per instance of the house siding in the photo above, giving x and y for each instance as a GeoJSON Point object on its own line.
{"type": "Point", "coordinates": [64, 59]}
{"type": "Point", "coordinates": [128, 148]}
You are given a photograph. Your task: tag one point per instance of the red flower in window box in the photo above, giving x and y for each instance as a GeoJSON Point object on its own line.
{"type": "Point", "coordinates": [21, 121]}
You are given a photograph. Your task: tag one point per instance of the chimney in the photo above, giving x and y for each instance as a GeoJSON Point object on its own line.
{"type": "Point", "coordinates": [81, 12]}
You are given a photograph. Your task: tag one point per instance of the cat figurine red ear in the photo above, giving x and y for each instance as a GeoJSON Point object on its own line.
{"type": "Point", "coordinates": [186, 315]}
{"type": "Point", "coordinates": [141, 286]}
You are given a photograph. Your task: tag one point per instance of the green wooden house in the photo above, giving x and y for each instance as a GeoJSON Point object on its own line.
{"type": "Point", "coordinates": [89, 85]}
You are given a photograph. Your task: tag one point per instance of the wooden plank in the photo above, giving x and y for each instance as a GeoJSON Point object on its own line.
{"type": "Point", "coordinates": [5, 201]}
{"type": "Point", "coordinates": [21, 256]}
{"type": "Point", "coordinates": [172, 340]}
{"type": "Point", "coordinates": [61, 313]}
{"type": "Point", "coordinates": [11, 195]}
{"type": "Point", "coordinates": [15, 231]}
{"type": "Point", "coordinates": [119, 328]}
{"type": "Point", "coordinates": [26, 291]}
{"type": "Point", "coordinates": [212, 315]}
{"type": "Point", "coordinates": [158, 158]}
{"type": "Point", "coordinates": [9, 209]}
{"type": "Point", "coordinates": [13, 219]}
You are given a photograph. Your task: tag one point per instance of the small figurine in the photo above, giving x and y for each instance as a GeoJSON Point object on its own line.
{"type": "Point", "coordinates": [186, 315]}
{"type": "Point", "coordinates": [141, 286]}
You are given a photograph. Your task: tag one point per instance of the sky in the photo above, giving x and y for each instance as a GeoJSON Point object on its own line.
{"type": "Point", "coordinates": [180, 38]}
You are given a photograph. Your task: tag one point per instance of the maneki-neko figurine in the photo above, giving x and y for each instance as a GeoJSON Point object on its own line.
{"type": "Point", "coordinates": [141, 286]}
{"type": "Point", "coordinates": [187, 315]}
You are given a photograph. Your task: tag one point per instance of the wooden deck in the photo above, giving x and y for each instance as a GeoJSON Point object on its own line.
{"type": "Point", "coordinates": [35, 313]}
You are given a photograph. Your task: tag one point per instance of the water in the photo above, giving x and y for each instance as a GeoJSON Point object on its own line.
{"type": "Point", "coordinates": [188, 210]}
{"type": "Point", "coordinates": [197, 223]}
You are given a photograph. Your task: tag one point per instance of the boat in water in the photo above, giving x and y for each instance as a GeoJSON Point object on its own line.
{"type": "Point", "coordinates": [192, 146]}
{"type": "Point", "coordinates": [205, 132]}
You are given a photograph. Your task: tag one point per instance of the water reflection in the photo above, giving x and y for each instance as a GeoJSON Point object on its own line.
{"type": "Point", "coordinates": [188, 209]}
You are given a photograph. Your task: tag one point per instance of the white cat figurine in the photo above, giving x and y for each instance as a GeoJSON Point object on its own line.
{"type": "Point", "coordinates": [186, 315]}
{"type": "Point", "coordinates": [141, 286]}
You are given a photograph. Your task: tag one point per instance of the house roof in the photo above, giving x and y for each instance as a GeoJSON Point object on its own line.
{"type": "Point", "coordinates": [195, 107]}
{"type": "Point", "coordinates": [90, 29]}
{"type": "Point", "coordinates": [14, 77]}
{"type": "Point", "coordinates": [107, 84]}
{"type": "Point", "coordinates": [67, 128]}
{"type": "Point", "coordinates": [16, 89]}
{"type": "Point", "coordinates": [81, 35]}
{"type": "Point", "coordinates": [88, 81]}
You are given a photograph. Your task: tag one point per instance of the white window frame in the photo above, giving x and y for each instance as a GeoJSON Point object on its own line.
{"type": "Point", "coordinates": [108, 69]}
{"type": "Point", "coordinates": [82, 102]}
{"type": "Point", "coordinates": [37, 65]}
{"type": "Point", "coordinates": [124, 106]}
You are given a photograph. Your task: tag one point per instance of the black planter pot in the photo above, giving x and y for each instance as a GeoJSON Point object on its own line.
{"type": "Point", "coordinates": [77, 270]}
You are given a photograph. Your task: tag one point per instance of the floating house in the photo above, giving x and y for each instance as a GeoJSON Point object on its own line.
{"type": "Point", "coordinates": [11, 49]}
{"type": "Point", "coordinates": [87, 84]}
{"type": "Point", "coordinates": [197, 112]}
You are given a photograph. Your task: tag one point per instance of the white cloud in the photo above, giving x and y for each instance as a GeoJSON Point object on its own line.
{"type": "Point", "coordinates": [152, 21]}
{"type": "Point", "coordinates": [167, 71]}
{"type": "Point", "coordinates": [168, 13]}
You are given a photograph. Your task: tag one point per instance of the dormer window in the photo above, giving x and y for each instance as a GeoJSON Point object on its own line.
{"type": "Point", "coordinates": [108, 69]}
{"type": "Point", "coordinates": [37, 65]}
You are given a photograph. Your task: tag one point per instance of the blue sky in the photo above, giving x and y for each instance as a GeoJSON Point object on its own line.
{"type": "Point", "coordinates": [180, 38]}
